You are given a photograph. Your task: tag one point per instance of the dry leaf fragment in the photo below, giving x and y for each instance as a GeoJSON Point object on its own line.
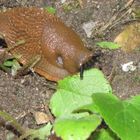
{"type": "Point", "coordinates": [41, 117]}
{"type": "Point", "coordinates": [81, 3]}
{"type": "Point", "coordinates": [129, 38]}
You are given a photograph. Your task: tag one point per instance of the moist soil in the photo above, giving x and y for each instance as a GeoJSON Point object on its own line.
{"type": "Point", "coordinates": [26, 94]}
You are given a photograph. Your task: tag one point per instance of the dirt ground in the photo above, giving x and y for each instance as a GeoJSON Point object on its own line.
{"type": "Point", "coordinates": [29, 93]}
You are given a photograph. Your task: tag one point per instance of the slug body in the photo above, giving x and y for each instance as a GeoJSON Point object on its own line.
{"type": "Point", "coordinates": [60, 49]}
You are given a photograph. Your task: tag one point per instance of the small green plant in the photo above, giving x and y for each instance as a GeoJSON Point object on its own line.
{"type": "Point", "coordinates": [80, 106]}
{"type": "Point", "coordinates": [50, 9]}
{"type": "Point", "coordinates": [108, 45]}
{"type": "Point", "coordinates": [40, 133]}
{"type": "Point", "coordinates": [13, 65]}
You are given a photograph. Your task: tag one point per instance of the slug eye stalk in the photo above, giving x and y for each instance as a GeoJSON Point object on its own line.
{"type": "Point", "coordinates": [81, 72]}
{"type": "Point", "coordinates": [90, 64]}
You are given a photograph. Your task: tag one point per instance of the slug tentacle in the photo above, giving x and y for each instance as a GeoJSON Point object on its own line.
{"type": "Point", "coordinates": [90, 63]}
{"type": "Point", "coordinates": [81, 72]}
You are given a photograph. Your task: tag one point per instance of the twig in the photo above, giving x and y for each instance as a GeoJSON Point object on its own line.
{"type": "Point", "coordinates": [115, 19]}
{"type": "Point", "coordinates": [6, 119]}
{"type": "Point", "coordinates": [2, 54]}
{"type": "Point", "coordinates": [119, 19]}
{"type": "Point", "coordinates": [29, 66]}
{"type": "Point", "coordinates": [128, 4]}
{"type": "Point", "coordinates": [81, 3]}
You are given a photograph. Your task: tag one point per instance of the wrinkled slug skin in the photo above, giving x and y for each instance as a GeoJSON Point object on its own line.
{"type": "Point", "coordinates": [61, 50]}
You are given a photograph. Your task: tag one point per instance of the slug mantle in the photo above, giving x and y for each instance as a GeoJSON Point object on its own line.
{"type": "Point", "coordinates": [61, 50]}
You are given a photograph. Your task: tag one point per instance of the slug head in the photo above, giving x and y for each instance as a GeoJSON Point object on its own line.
{"type": "Point", "coordinates": [64, 48]}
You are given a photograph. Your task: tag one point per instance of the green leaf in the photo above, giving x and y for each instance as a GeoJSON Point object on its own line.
{"type": "Point", "coordinates": [15, 67]}
{"type": "Point", "coordinates": [76, 129]}
{"type": "Point", "coordinates": [74, 93]}
{"type": "Point", "coordinates": [104, 134]}
{"type": "Point", "coordinates": [93, 82]}
{"type": "Point", "coordinates": [2, 67]}
{"type": "Point", "coordinates": [123, 117]}
{"type": "Point", "coordinates": [108, 45]}
{"type": "Point", "coordinates": [43, 132]}
{"type": "Point", "coordinates": [8, 63]}
{"type": "Point", "coordinates": [91, 108]}
{"type": "Point", "coordinates": [65, 102]}
{"type": "Point", "coordinates": [50, 9]}
{"type": "Point", "coordinates": [40, 133]}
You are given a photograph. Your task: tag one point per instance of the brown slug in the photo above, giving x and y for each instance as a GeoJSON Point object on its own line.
{"type": "Point", "coordinates": [61, 50]}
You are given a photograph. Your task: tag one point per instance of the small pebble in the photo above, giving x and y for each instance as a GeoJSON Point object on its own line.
{"type": "Point", "coordinates": [127, 67]}
{"type": "Point", "coordinates": [88, 28]}
{"type": "Point", "coordinates": [63, 1]}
